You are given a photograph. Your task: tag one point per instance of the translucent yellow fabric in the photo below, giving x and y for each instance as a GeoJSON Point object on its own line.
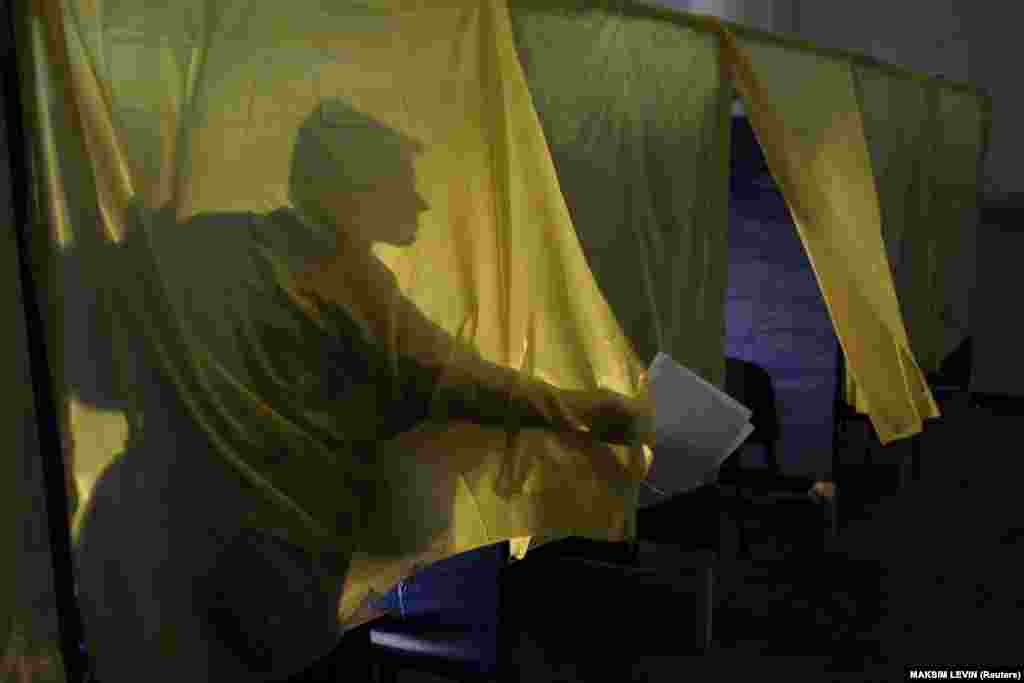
{"type": "Point", "coordinates": [924, 236]}
{"type": "Point", "coordinates": [806, 115]}
{"type": "Point", "coordinates": [214, 171]}
{"type": "Point", "coordinates": [895, 113]}
{"type": "Point", "coordinates": [965, 120]}
{"type": "Point", "coordinates": [192, 137]}
{"type": "Point", "coordinates": [925, 139]}
{"type": "Point", "coordinates": [958, 125]}
{"type": "Point", "coordinates": [640, 142]}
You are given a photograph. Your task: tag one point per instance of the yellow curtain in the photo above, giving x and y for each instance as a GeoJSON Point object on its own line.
{"type": "Point", "coordinates": [641, 144]}
{"type": "Point", "coordinates": [923, 233]}
{"type": "Point", "coordinates": [895, 113]}
{"type": "Point", "coordinates": [805, 112]}
{"type": "Point", "coordinates": [963, 119]}
{"type": "Point", "coordinates": [290, 226]}
{"type": "Point", "coordinates": [317, 279]}
{"type": "Point", "coordinates": [639, 139]}
{"type": "Point", "coordinates": [925, 139]}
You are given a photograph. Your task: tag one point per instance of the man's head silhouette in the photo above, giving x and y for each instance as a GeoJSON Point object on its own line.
{"type": "Point", "coordinates": [354, 174]}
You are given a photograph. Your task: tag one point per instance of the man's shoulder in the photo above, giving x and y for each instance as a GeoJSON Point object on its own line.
{"type": "Point", "coordinates": [218, 239]}
{"type": "Point", "coordinates": [165, 225]}
{"type": "Point", "coordinates": [224, 225]}
{"type": "Point", "coordinates": [205, 252]}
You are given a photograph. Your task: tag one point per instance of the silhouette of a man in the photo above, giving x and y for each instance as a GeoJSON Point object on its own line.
{"type": "Point", "coordinates": [172, 585]}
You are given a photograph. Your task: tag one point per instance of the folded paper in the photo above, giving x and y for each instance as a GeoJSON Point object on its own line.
{"type": "Point", "coordinates": [696, 425]}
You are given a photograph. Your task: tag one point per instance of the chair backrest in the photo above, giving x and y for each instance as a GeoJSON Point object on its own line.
{"type": "Point", "coordinates": [689, 520]}
{"type": "Point", "coordinates": [752, 386]}
{"type": "Point", "coordinates": [955, 370]}
{"type": "Point", "coordinates": [606, 599]}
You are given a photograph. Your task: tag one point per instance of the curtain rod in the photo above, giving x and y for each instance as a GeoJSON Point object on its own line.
{"type": "Point", "coordinates": [697, 21]}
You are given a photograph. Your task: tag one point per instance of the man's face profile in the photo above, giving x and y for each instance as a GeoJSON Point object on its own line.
{"type": "Point", "coordinates": [389, 211]}
{"type": "Point", "coordinates": [358, 174]}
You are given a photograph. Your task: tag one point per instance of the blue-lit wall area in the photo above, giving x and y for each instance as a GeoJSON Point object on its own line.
{"type": "Point", "coordinates": [775, 314]}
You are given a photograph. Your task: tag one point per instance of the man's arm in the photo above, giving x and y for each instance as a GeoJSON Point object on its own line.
{"type": "Point", "coordinates": [488, 393]}
{"type": "Point", "coordinates": [429, 384]}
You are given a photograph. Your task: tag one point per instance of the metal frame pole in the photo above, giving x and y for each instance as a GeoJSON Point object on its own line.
{"type": "Point", "coordinates": [47, 411]}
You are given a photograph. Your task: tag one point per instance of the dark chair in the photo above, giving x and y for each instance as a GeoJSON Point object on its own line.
{"type": "Point", "coordinates": [689, 521]}
{"type": "Point", "coordinates": [1005, 405]}
{"type": "Point", "coordinates": [752, 386]}
{"type": "Point", "coordinates": [600, 605]}
{"type": "Point", "coordinates": [954, 373]}
{"type": "Point", "coordinates": [953, 379]}
{"type": "Point", "coordinates": [748, 490]}
{"type": "Point", "coordinates": [463, 618]}
{"type": "Point", "coordinates": [950, 381]}
{"type": "Point", "coordinates": [868, 479]}
{"type": "Point", "coordinates": [353, 654]}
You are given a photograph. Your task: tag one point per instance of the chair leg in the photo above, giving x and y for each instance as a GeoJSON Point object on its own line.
{"type": "Point", "coordinates": [605, 668]}
{"type": "Point", "coordinates": [509, 672]}
{"type": "Point", "coordinates": [868, 450]}
{"type": "Point", "coordinates": [836, 474]}
{"type": "Point", "coordinates": [772, 459]}
{"type": "Point", "coordinates": [744, 543]}
{"type": "Point", "coordinates": [738, 512]}
{"type": "Point", "coordinates": [384, 670]}
{"type": "Point", "coordinates": [704, 628]}
{"type": "Point", "coordinates": [915, 457]}
{"type": "Point", "coordinates": [835, 510]}
{"type": "Point", "coordinates": [509, 639]}
{"type": "Point", "coordinates": [903, 469]}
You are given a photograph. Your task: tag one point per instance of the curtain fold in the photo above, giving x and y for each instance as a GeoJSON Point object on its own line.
{"type": "Point", "coordinates": [640, 142]}
{"type": "Point", "coordinates": [641, 145]}
{"type": "Point", "coordinates": [895, 113]}
{"type": "Point", "coordinates": [925, 140]}
{"type": "Point", "coordinates": [962, 123]}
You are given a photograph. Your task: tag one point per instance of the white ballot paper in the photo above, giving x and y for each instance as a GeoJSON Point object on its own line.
{"type": "Point", "coordinates": [696, 427]}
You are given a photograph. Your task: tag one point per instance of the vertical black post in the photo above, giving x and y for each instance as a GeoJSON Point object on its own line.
{"type": "Point", "coordinates": [46, 409]}
{"type": "Point", "coordinates": [838, 415]}
{"type": "Point", "coordinates": [915, 458]}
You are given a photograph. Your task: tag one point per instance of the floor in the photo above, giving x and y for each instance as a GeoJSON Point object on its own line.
{"type": "Point", "coordinates": [930, 576]}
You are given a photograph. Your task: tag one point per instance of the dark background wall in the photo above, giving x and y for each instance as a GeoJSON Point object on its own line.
{"type": "Point", "coordinates": [775, 314]}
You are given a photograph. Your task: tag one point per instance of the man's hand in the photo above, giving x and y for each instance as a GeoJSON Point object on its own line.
{"type": "Point", "coordinates": [620, 420]}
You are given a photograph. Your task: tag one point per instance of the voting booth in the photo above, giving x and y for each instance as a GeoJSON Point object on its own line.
{"type": "Point", "coordinates": [538, 234]}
